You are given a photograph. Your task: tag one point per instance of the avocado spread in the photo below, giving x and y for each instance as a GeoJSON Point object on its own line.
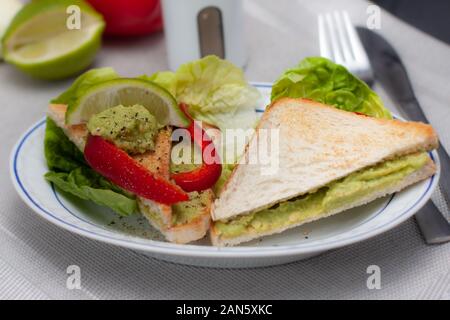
{"type": "Point", "coordinates": [186, 211]}
{"type": "Point", "coordinates": [332, 196]}
{"type": "Point", "coordinates": [183, 212]}
{"type": "Point", "coordinates": [132, 128]}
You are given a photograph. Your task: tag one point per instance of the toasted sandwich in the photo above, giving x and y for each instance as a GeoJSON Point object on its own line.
{"type": "Point", "coordinates": [329, 161]}
{"type": "Point", "coordinates": [182, 222]}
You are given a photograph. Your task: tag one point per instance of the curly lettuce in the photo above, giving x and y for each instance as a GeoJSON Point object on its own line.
{"type": "Point", "coordinates": [70, 173]}
{"type": "Point", "coordinates": [321, 80]}
{"type": "Point", "coordinates": [215, 90]}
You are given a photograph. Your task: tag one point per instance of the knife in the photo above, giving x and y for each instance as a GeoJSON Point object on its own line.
{"type": "Point", "coordinates": [390, 72]}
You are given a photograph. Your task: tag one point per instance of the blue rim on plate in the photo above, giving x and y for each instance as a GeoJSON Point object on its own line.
{"type": "Point", "coordinates": [207, 251]}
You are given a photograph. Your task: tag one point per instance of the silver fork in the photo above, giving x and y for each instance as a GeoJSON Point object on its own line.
{"type": "Point", "coordinates": [340, 42]}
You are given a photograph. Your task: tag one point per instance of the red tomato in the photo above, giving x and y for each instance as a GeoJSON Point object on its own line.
{"type": "Point", "coordinates": [130, 17]}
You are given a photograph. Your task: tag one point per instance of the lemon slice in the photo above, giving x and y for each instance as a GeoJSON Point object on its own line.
{"type": "Point", "coordinates": [161, 104]}
{"type": "Point", "coordinates": [42, 42]}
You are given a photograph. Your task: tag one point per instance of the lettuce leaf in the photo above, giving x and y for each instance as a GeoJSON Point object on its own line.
{"type": "Point", "coordinates": [82, 183]}
{"type": "Point", "coordinates": [165, 79]}
{"type": "Point", "coordinates": [61, 154]}
{"type": "Point", "coordinates": [321, 80]}
{"type": "Point", "coordinates": [215, 90]}
{"type": "Point", "coordinates": [83, 82]}
{"type": "Point", "coordinates": [70, 173]}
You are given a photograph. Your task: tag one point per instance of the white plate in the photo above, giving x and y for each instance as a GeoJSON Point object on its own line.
{"type": "Point", "coordinates": [28, 166]}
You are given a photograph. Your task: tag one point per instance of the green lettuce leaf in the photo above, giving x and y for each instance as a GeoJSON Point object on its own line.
{"type": "Point", "coordinates": [165, 79]}
{"type": "Point", "coordinates": [215, 90]}
{"type": "Point", "coordinates": [82, 183]}
{"type": "Point", "coordinates": [70, 173]}
{"type": "Point", "coordinates": [61, 154]}
{"type": "Point", "coordinates": [83, 82]}
{"type": "Point", "coordinates": [321, 80]}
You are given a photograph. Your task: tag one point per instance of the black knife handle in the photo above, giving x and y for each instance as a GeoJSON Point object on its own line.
{"type": "Point", "coordinates": [412, 110]}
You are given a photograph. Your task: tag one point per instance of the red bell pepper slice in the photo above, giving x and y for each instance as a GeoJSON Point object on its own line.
{"type": "Point", "coordinates": [117, 166]}
{"type": "Point", "coordinates": [205, 176]}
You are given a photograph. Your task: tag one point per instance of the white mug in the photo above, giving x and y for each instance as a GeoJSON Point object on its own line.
{"type": "Point", "coordinates": [196, 28]}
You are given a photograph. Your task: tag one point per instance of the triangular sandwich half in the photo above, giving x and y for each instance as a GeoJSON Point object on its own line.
{"type": "Point", "coordinates": [181, 223]}
{"type": "Point", "coordinates": [329, 161]}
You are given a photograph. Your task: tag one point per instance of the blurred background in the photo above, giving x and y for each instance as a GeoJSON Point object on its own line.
{"type": "Point", "coordinates": [171, 32]}
{"type": "Point", "coordinates": [431, 17]}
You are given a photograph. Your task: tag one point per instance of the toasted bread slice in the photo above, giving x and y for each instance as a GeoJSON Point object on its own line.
{"type": "Point", "coordinates": [318, 144]}
{"type": "Point", "coordinates": [160, 216]}
{"type": "Point", "coordinates": [158, 162]}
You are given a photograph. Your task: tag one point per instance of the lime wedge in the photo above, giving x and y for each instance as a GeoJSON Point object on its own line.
{"type": "Point", "coordinates": [42, 42]}
{"type": "Point", "coordinates": [127, 92]}
{"type": "Point", "coordinates": [9, 10]}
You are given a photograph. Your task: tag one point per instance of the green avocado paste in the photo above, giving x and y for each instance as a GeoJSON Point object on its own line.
{"type": "Point", "coordinates": [187, 211]}
{"type": "Point", "coordinates": [131, 128]}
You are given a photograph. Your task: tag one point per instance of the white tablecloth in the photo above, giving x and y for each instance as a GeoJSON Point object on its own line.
{"type": "Point", "coordinates": [34, 254]}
